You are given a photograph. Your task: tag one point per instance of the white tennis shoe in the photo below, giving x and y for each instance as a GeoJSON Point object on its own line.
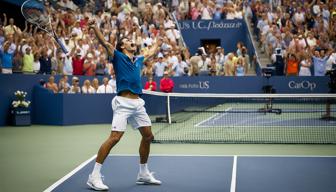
{"type": "Point", "coordinates": [147, 179]}
{"type": "Point", "coordinates": [96, 183]}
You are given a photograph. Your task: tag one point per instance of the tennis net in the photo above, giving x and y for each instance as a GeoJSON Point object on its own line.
{"type": "Point", "coordinates": [242, 118]}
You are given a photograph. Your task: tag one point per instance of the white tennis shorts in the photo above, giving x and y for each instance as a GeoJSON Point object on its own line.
{"type": "Point", "coordinates": [131, 111]}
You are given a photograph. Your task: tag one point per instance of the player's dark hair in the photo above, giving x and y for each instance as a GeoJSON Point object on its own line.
{"type": "Point", "coordinates": [120, 44]}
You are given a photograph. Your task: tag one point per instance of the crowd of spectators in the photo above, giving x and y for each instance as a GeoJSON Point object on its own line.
{"type": "Point", "coordinates": [298, 36]}
{"type": "Point", "coordinates": [87, 87]}
{"type": "Point", "coordinates": [32, 51]}
{"type": "Point", "coordinates": [107, 86]}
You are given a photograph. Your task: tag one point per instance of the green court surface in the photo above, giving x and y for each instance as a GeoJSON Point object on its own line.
{"type": "Point", "coordinates": [33, 158]}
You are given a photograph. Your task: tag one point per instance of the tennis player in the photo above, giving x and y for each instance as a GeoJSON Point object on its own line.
{"type": "Point", "coordinates": [127, 107]}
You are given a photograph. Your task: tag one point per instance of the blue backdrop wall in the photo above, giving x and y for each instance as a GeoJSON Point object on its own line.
{"type": "Point", "coordinates": [229, 32]}
{"type": "Point", "coordinates": [65, 109]}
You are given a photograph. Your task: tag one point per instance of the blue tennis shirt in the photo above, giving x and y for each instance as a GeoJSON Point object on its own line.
{"type": "Point", "coordinates": [128, 73]}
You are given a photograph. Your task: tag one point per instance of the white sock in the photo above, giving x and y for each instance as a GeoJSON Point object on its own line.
{"type": "Point", "coordinates": [144, 168]}
{"type": "Point", "coordinates": [96, 169]}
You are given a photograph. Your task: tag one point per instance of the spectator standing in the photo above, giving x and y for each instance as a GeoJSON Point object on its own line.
{"type": "Point", "coordinates": [89, 67]}
{"type": "Point", "coordinates": [150, 84]}
{"type": "Point", "coordinates": [305, 65]}
{"type": "Point", "coordinates": [159, 66]}
{"type": "Point", "coordinates": [28, 61]}
{"type": "Point", "coordinates": [78, 63]}
{"type": "Point", "coordinates": [67, 64]}
{"type": "Point", "coordinates": [292, 65]}
{"type": "Point", "coordinates": [45, 62]}
{"type": "Point", "coordinates": [11, 28]}
{"type": "Point", "coordinates": [101, 65]}
{"type": "Point", "coordinates": [166, 83]}
{"type": "Point", "coordinates": [229, 65]}
{"type": "Point", "coordinates": [240, 67]}
{"type": "Point", "coordinates": [319, 62]}
{"type": "Point", "coordinates": [37, 64]}
{"type": "Point", "coordinates": [181, 68]}
{"type": "Point", "coordinates": [7, 59]}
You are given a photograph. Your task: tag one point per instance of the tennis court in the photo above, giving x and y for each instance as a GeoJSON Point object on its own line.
{"type": "Point", "coordinates": [34, 158]}
{"type": "Point", "coordinates": [211, 173]}
{"type": "Point", "coordinates": [230, 118]}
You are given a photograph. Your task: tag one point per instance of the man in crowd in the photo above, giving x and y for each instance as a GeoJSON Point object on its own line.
{"type": "Point", "coordinates": [166, 83]}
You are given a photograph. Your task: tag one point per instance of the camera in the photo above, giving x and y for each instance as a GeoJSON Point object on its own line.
{"type": "Point", "coordinates": [268, 71]}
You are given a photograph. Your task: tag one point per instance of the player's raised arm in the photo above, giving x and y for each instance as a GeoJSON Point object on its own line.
{"type": "Point", "coordinates": [100, 36]}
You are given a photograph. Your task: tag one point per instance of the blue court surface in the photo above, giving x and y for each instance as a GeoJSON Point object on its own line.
{"type": "Point", "coordinates": [260, 119]}
{"type": "Point", "coordinates": [211, 174]}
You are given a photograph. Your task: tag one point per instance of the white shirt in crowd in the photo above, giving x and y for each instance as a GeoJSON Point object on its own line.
{"type": "Point", "coordinates": [173, 34]}
{"type": "Point", "coordinates": [331, 61]}
{"type": "Point", "coordinates": [72, 90]}
{"type": "Point", "coordinates": [311, 42]}
{"type": "Point", "coordinates": [36, 66]}
{"type": "Point", "coordinates": [78, 31]}
{"type": "Point", "coordinates": [88, 90]}
{"type": "Point", "coordinates": [105, 89]}
{"type": "Point", "coordinates": [159, 68]}
{"type": "Point", "coordinates": [316, 9]}
{"type": "Point", "coordinates": [203, 65]}
{"type": "Point", "coordinates": [206, 13]}
{"type": "Point", "coordinates": [173, 60]}
{"type": "Point", "coordinates": [67, 68]}
{"type": "Point", "coordinates": [112, 82]}
{"type": "Point", "coordinates": [305, 68]}
{"type": "Point", "coordinates": [179, 68]}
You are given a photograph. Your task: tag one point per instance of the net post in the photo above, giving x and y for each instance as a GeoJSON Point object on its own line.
{"type": "Point", "coordinates": [168, 109]}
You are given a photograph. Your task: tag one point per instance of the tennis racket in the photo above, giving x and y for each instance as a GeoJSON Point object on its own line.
{"type": "Point", "coordinates": [35, 13]}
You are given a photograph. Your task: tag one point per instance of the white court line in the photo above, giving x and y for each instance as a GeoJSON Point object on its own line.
{"type": "Point", "coordinates": [226, 110]}
{"type": "Point", "coordinates": [201, 155]}
{"type": "Point", "coordinates": [59, 182]}
{"type": "Point", "coordinates": [234, 174]}
{"type": "Point", "coordinates": [234, 169]}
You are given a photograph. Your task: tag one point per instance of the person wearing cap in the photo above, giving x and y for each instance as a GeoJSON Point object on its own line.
{"type": "Point", "coordinates": [75, 88]}
{"type": "Point", "coordinates": [127, 106]}
{"type": "Point", "coordinates": [78, 63]}
{"type": "Point", "coordinates": [166, 83]}
{"type": "Point", "coordinates": [159, 66]}
{"type": "Point", "coordinates": [89, 67]}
